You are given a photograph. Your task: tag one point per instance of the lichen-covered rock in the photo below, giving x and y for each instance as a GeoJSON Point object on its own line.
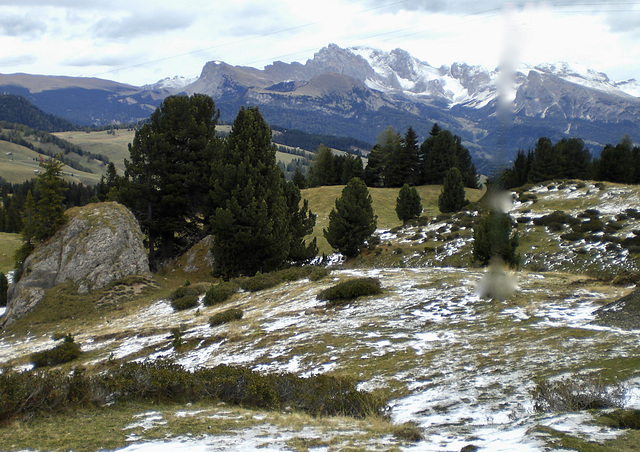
{"type": "Point", "coordinates": [99, 244]}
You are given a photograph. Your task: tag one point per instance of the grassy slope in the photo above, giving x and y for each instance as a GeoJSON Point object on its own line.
{"type": "Point", "coordinates": [322, 200]}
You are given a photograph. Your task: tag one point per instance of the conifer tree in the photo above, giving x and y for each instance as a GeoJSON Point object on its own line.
{"type": "Point", "coordinates": [50, 190]}
{"type": "Point", "coordinates": [408, 204]}
{"type": "Point", "coordinates": [322, 171]}
{"type": "Point", "coordinates": [402, 162]}
{"type": "Point", "coordinates": [166, 176]}
{"type": "Point", "coordinates": [352, 221]}
{"type": "Point", "coordinates": [452, 196]}
{"type": "Point", "coordinates": [250, 224]}
{"type": "Point", "coordinates": [29, 220]}
{"type": "Point", "coordinates": [301, 223]}
{"type": "Point", "coordinates": [494, 235]}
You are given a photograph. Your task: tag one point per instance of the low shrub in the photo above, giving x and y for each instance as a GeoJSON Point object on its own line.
{"type": "Point", "coordinates": [225, 317]}
{"type": "Point", "coordinates": [573, 236]}
{"type": "Point", "coordinates": [60, 354]}
{"type": "Point", "coordinates": [624, 419]}
{"type": "Point", "coordinates": [263, 281]}
{"type": "Point", "coordinates": [555, 220]}
{"type": "Point", "coordinates": [574, 394]}
{"type": "Point", "coordinates": [591, 225]}
{"type": "Point", "coordinates": [185, 297]}
{"type": "Point", "coordinates": [219, 293]}
{"type": "Point", "coordinates": [409, 431]}
{"type": "Point", "coordinates": [28, 394]}
{"type": "Point", "coordinates": [351, 289]}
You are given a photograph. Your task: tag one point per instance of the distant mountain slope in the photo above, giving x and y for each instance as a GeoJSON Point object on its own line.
{"type": "Point", "coordinates": [17, 109]}
{"type": "Point", "coordinates": [358, 92]}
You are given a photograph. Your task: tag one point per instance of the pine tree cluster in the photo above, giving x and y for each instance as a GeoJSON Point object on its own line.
{"type": "Point", "coordinates": [396, 160]}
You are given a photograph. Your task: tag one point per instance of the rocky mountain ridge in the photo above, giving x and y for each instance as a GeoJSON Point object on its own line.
{"type": "Point", "coordinates": [360, 91]}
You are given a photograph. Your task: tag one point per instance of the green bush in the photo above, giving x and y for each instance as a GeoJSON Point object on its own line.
{"type": "Point", "coordinates": [625, 419]}
{"type": "Point", "coordinates": [225, 316]}
{"type": "Point", "coordinates": [185, 297]}
{"type": "Point", "coordinates": [348, 290]}
{"type": "Point", "coordinates": [28, 394]}
{"type": "Point", "coordinates": [60, 354]}
{"type": "Point", "coordinates": [263, 281]}
{"type": "Point", "coordinates": [219, 293]}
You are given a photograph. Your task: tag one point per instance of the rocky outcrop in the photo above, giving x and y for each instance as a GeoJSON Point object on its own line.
{"type": "Point", "coordinates": [622, 313]}
{"type": "Point", "coordinates": [99, 244]}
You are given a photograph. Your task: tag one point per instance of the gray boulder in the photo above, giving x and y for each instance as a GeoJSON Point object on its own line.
{"type": "Point", "coordinates": [622, 313]}
{"type": "Point", "coordinates": [99, 244]}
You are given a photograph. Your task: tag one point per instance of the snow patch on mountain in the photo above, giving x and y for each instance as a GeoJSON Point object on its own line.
{"type": "Point", "coordinates": [174, 84]}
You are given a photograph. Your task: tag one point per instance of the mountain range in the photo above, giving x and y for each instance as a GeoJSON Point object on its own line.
{"type": "Point", "coordinates": [360, 91]}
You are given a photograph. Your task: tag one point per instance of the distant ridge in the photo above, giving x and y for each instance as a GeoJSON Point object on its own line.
{"type": "Point", "coordinates": [358, 92]}
{"type": "Point", "coordinates": [18, 110]}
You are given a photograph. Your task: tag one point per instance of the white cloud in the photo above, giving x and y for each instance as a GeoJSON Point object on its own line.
{"type": "Point", "coordinates": [151, 39]}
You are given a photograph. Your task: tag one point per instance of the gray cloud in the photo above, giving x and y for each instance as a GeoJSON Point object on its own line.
{"type": "Point", "coordinates": [143, 24]}
{"type": "Point", "coordinates": [17, 60]}
{"type": "Point", "coordinates": [24, 26]}
{"type": "Point", "coordinates": [99, 59]}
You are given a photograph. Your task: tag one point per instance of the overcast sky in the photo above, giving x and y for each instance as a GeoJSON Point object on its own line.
{"type": "Point", "coordinates": [143, 41]}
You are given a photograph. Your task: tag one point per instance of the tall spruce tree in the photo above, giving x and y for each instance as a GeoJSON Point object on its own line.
{"type": "Point", "coordinates": [402, 162]}
{"type": "Point", "coordinates": [301, 223]}
{"type": "Point", "coordinates": [166, 176]}
{"type": "Point", "coordinates": [408, 204]}
{"type": "Point", "coordinates": [352, 221]}
{"type": "Point", "coordinates": [442, 151]}
{"type": "Point", "coordinates": [50, 208]}
{"type": "Point", "coordinates": [250, 224]}
{"type": "Point", "coordinates": [452, 196]}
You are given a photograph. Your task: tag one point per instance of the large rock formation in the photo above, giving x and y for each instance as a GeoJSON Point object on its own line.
{"type": "Point", "coordinates": [99, 244]}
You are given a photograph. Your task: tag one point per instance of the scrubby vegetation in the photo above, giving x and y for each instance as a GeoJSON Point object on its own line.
{"type": "Point", "coordinates": [27, 394]}
{"type": "Point", "coordinates": [576, 394]}
{"type": "Point", "coordinates": [65, 352]}
{"type": "Point", "coordinates": [225, 316]}
{"type": "Point", "coordinates": [186, 297]}
{"type": "Point", "coordinates": [351, 289]}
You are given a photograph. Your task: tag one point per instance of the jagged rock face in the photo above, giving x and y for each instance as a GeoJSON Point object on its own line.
{"type": "Point", "coordinates": [99, 244]}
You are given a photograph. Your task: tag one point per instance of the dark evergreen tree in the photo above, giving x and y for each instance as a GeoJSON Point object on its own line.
{"type": "Point", "coordinates": [352, 221]}
{"type": "Point", "coordinates": [616, 162]}
{"type": "Point", "coordinates": [250, 225]}
{"type": "Point", "coordinates": [301, 223]}
{"type": "Point", "coordinates": [452, 196]}
{"type": "Point", "coordinates": [494, 235]}
{"type": "Point", "coordinates": [49, 214]}
{"type": "Point", "coordinates": [4, 287]}
{"type": "Point", "coordinates": [402, 162]}
{"type": "Point", "coordinates": [408, 204]}
{"type": "Point", "coordinates": [545, 161]}
{"type": "Point", "coordinates": [518, 174]}
{"type": "Point", "coordinates": [351, 167]}
{"type": "Point", "coordinates": [29, 220]}
{"type": "Point", "coordinates": [573, 159]}
{"type": "Point", "coordinates": [165, 179]}
{"type": "Point", "coordinates": [299, 180]}
{"type": "Point", "coordinates": [442, 151]}
{"type": "Point", "coordinates": [374, 168]}
{"type": "Point", "coordinates": [322, 171]}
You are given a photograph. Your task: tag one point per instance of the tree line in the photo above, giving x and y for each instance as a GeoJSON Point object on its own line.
{"type": "Point", "coordinates": [569, 158]}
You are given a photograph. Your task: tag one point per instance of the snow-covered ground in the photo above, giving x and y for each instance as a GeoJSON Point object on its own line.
{"type": "Point", "coordinates": [459, 366]}
{"type": "Point", "coordinates": [462, 367]}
